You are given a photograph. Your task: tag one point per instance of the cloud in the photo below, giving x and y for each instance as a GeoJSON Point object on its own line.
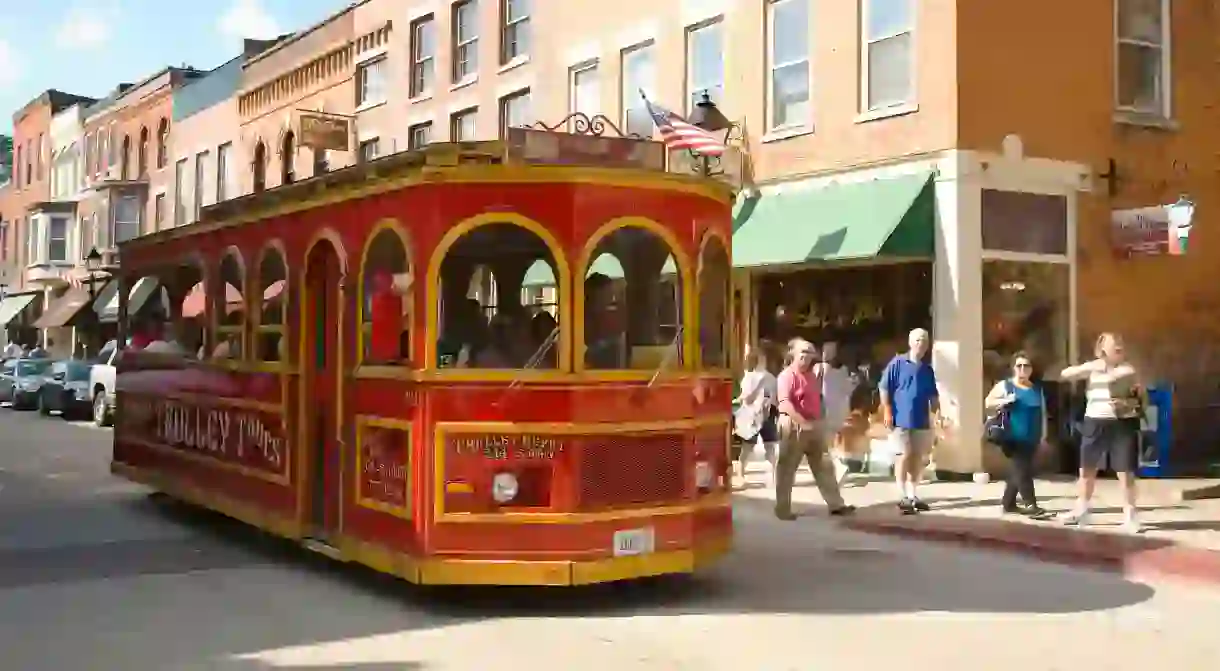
{"type": "Point", "coordinates": [84, 28]}
{"type": "Point", "coordinates": [248, 18]}
{"type": "Point", "coordinates": [10, 66]}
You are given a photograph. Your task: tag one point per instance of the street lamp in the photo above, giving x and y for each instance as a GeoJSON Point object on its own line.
{"type": "Point", "coordinates": [708, 117]}
{"type": "Point", "coordinates": [93, 262]}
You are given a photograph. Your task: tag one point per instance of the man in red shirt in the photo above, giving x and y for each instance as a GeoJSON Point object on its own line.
{"type": "Point", "coordinates": [802, 433]}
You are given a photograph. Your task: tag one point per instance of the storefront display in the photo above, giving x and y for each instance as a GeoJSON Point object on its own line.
{"type": "Point", "coordinates": [1025, 308]}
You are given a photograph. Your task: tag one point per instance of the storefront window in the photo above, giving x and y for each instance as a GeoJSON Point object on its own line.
{"type": "Point", "coordinates": [1025, 308]}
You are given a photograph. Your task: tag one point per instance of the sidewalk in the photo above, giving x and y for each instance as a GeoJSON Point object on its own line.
{"type": "Point", "coordinates": [1180, 540]}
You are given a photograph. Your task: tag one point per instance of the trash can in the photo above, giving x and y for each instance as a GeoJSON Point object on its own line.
{"type": "Point", "coordinates": [1156, 433]}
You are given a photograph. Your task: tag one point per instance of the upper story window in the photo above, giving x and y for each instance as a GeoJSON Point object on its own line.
{"type": "Point", "coordinates": [180, 187]}
{"type": "Point", "coordinates": [259, 165]}
{"type": "Point", "coordinates": [639, 74]}
{"type": "Point", "coordinates": [423, 55]}
{"type": "Point", "coordinates": [1142, 77]}
{"type": "Point", "coordinates": [371, 82]}
{"type": "Point", "coordinates": [17, 168]}
{"type": "Point", "coordinates": [57, 240]}
{"type": "Point", "coordinates": [142, 153]}
{"type": "Point", "coordinates": [465, 39]}
{"type": "Point", "coordinates": [788, 64]}
{"type": "Point", "coordinates": [288, 156]}
{"type": "Point", "coordinates": [369, 150]}
{"type": "Point", "coordinates": [463, 125]}
{"type": "Point", "coordinates": [888, 59]}
{"type": "Point", "coordinates": [585, 94]}
{"type": "Point", "coordinates": [201, 175]}
{"type": "Point", "coordinates": [222, 171]}
{"type": "Point", "coordinates": [162, 143]}
{"type": "Point", "coordinates": [514, 111]}
{"type": "Point", "coordinates": [705, 62]}
{"type": "Point", "coordinates": [38, 158]}
{"type": "Point", "coordinates": [125, 159]}
{"type": "Point", "coordinates": [419, 135]}
{"type": "Point", "coordinates": [514, 30]}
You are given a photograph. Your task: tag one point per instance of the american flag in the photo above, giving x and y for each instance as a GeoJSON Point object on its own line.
{"type": "Point", "coordinates": [678, 133]}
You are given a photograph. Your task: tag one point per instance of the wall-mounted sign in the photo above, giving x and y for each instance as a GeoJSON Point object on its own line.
{"type": "Point", "coordinates": [559, 148]}
{"type": "Point", "coordinates": [1152, 231]}
{"type": "Point", "coordinates": [324, 131]}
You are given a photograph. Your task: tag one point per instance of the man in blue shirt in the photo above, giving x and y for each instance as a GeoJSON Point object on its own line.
{"type": "Point", "coordinates": [909, 399]}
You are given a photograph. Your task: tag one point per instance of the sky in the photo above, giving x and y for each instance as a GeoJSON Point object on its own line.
{"type": "Point", "coordinates": [88, 47]}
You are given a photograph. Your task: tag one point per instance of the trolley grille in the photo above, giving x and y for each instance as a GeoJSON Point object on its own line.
{"type": "Point", "coordinates": [629, 470]}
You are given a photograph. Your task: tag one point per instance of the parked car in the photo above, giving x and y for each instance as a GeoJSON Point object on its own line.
{"type": "Point", "coordinates": [21, 380]}
{"type": "Point", "coordinates": [102, 375]}
{"type": "Point", "coordinates": [66, 389]}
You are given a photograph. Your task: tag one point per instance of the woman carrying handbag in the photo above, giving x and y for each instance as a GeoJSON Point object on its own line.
{"type": "Point", "coordinates": [1018, 427]}
{"type": "Point", "coordinates": [754, 420]}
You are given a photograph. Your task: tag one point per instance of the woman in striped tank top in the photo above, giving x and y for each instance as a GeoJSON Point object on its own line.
{"type": "Point", "coordinates": [1111, 426]}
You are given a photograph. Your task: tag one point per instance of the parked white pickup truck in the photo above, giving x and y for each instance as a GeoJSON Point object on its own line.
{"type": "Point", "coordinates": [101, 383]}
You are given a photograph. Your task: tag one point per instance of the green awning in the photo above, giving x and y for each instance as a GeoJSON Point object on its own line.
{"type": "Point", "coordinates": [894, 217]}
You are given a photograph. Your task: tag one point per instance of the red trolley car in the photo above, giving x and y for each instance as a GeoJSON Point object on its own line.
{"type": "Point", "coordinates": [478, 363]}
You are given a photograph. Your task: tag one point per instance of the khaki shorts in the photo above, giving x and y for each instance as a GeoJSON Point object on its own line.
{"type": "Point", "coordinates": [913, 441]}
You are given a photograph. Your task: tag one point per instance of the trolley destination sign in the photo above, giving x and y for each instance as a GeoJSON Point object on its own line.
{"type": "Point", "coordinates": [499, 446]}
{"type": "Point", "coordinates": [385, 453]}
{"type": "Point", "coordinates": [242, 437]}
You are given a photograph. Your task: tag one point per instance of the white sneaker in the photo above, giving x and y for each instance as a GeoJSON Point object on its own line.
{"type": "Point", "coordinates": [1078, 519]}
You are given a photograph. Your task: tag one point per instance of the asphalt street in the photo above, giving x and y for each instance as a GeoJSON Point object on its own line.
{"type": "Point", "coordinates": [97, 575]}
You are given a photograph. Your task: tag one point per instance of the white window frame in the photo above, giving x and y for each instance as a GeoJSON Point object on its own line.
{"type": "Point", "coordinates": [574, 100]}
{"type": "Point", "coordinates": [866, 43]}
{"type": "Point", "coordinates": [455, 123]}
{"type": "Point", "coordinates": [629, 92]}
{"type": "Point", "coordinates": [514, 31]}
{"type": "Point", "coordinates": [200, 184]}
{"type": "Point", "coordinates": [371, 82]}
{"type": "Point", "coordinates": [224, 153]}
{"type": "Point", "coordinates": [368, 149]}
{"type": "Point", "coordinates": [423, 64]}
{"type": "Point", "coordinates": [424, 127]}
{"type": "Point", "coordinates": [180, 202]}
{"type": "Point", "coordinates": [1165, 107]}
{"type": "Point", "coordinates": [773, 66]}
{"type": "Point", "coordinates": [506, 104]}
{"type": "Point", "coordinates": [468, 44]}
{"type": "Point", "coordinates": [693, 88]}
{"type": "Point", "coordinates": [51, 238]}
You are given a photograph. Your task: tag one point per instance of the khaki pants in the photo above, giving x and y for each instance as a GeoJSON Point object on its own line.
{"type": "Point", "coordinates": [797, 443]}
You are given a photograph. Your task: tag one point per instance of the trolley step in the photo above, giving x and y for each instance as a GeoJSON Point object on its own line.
{"type": "Point", "coordinates": [322, 548]}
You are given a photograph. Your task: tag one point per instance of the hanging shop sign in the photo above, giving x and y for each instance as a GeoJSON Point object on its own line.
{"type": "Point", "coordinates": [1152, 231]}
{"type": "Point", "coordinates": [319, 130]}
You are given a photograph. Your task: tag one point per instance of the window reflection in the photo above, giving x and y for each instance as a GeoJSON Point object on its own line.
{"type": "Point", "coordinates": [1025, 307]}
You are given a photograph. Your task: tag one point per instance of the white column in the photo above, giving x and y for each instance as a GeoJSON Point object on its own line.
{"type": "Point", "coordinates": [957, 328]}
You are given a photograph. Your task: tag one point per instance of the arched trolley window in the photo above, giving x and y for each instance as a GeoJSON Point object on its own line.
{"type": "Point", "coordinates": [715, 289]}
{"type": "Point", "coordinates": [500, 301]}
{"type": "Point", "coordinates": [269, 339]}
{"type": "Point", "coordinates": [227, 297]}
{"type": "Point", "coordinates": [386, 298]}
{"type": "Point", "coordinates": [633, 302]}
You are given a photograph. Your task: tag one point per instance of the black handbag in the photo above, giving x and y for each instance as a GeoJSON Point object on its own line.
{"type": "Point", "coordinates": [995, 429]}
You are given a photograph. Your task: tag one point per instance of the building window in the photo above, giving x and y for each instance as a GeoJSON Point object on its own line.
{"type": "Point", "coordinates": [514, 30]}
{"type": "Point", "coordinates": [113, 134]}
{"type": "Point", "coordinates": [126, 218]}
{"type": "Point", "coordinates": [222, 171]}
{"type": "Point", "coordinates": [705, 63]}
{"type": "Point", "coordinates": [788, 62]}
{"type": "Point", "coordinates": [465, 39]}
{"type": "Point", "coordinates": [17, 168]}
{"type": "Point", "coordinates": [369, 149]}
{"type": "Point", "coordinates": [159, 211]}
{"type": "Point", "coordinates": [57, 240]}
{"type": "Point", "coordinates": [584, 95]}
{"type": "Point", "coordinates": [33, 249]}
{"type": "Point", "coordinates": [180, 187]}
{"type": "Point", "coordinates": [370, 83]}
{"type": "Point", "coordinates": [142, 155]}
{"type": "Point", "coordinates": [259, 165]}
{"type": "Point", "coordinates": [201, 172]}
{"type": "Point", "coordinates": [514, 111]}
{"type": "Point", "coordinates": [162, 143]}
{"type": "Point", "coordinates": [638, 74]}
{"type": "Point", "coordinates": [887, 60]}
{"type": "Point", "coordinates": [39, 156]}
{"type": "Point", "coordinates": [423, 55]}
{"type": "Point", "coordinates": [419, 135]}
{"type": "Point", "coordinates": [288, 156]}
{"type": "Point", "coordinates": [104, 150]}
{"type": "Point", "coordinates": [125, 160]}
{"type": "Point", "coordinates": [29, 157]}
{"type": "Point", "coordinates": [463, 125]}
{"type": "Point", "coordinates": [1143, 76]}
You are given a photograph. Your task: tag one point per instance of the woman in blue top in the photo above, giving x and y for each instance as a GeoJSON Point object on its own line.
{"type": "Point", "coordinates": [1022, 398]}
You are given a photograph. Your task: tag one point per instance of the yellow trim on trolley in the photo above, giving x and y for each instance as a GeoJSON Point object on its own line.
{"type": "Point", "coordinates": [446, 429]}
{"type": "Point", "coordinates": [443, 570]}
{"type": "Point", "coordinates": [563, 273]}
{"type": "Point", "coordinates": [363, 422]}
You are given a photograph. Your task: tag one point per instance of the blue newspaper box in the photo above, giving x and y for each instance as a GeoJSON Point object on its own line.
{"type": "Point", "coordinates": [1157, 434]}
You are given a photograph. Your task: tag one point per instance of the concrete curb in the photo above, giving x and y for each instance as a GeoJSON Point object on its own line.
{"type": "Point", "coordinates": [1137, 557]}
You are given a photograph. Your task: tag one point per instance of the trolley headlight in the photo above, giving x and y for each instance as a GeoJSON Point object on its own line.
{"type": "Point", "coordinates": [504, 487]}
{"type": "Point", "coordinates": [704, 475]}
